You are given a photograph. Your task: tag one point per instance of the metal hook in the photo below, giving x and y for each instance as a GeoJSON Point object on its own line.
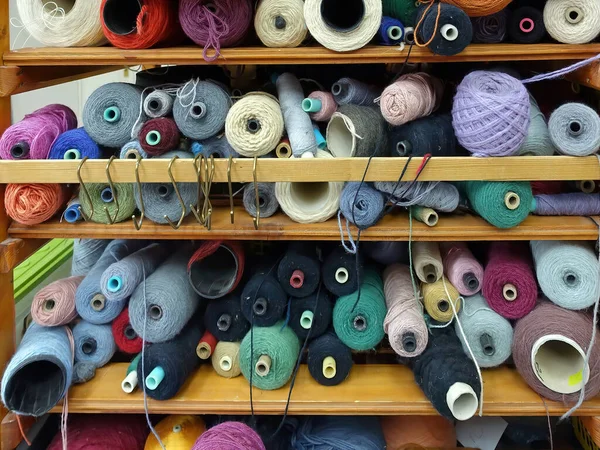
{"type": "Point", "coordinates": [231, 213]}
{"type": "Point", "coordinates": [86, 193]}
{"type": "Point", "coordinates": [111, 220]}
{"type": "Point", "coordinates": [138, 223]}
{"type": "Point", "coordinates": [208, 179]}
{"type": "Point", "coordinates": [181, 202]}
{"type": "Point", "coordinates": [198, 160]}
{"type": "Point", "coordinates": [256, 219]}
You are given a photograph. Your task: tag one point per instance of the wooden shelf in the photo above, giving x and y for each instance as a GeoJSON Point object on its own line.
{"type": "Point", "coordinates": [520, 168]}
{"type": "Point", "coordinates": [393, 227]}
{"type": "Point", "coordinates": [301, 55]}
{"type": "Point", "coordinates": [369, 390]}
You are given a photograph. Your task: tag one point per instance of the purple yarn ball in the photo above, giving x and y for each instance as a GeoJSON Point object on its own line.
{"type": "Point", "coordinates": [229, 436]}
{"type": "Point", "coordinates": [490, 114]}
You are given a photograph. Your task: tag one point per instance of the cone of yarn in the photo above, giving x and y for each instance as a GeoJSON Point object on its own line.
{"type": "Point", "coordinates": [226, 359]}
{"type": "Point", "coordinates": [386, 252]}
{"type": "Point", "coordinates": [329, 359]}
{"type": "Point", "coordinates": [54, 305]}
{"type": "Point", "coordinates": [299, 271]}
{"type": "Point", "coordinates": [410, 97]}
{"type": "Point", "coordinates": [158, 103]}
{"type": "Point", "coordinates": [272, 358]}
{"type": "Point", "coordinates": [267, 202]}
{"type": "Point", "coordinates": [86, 253]}
{"type": "Point", "coordinates": [102, 202]}
{"type": "Point", "coordinates": [504, 204]}
{"type": "Point", "coordinates": [549, 325]}
{"type": "Point", "coordinates": [142, 25]}
{"type": "Point", "coordinates": [206, 346]}
{"type": "Point", "coordinates": [215, 25]}
{"type": "Point", "coordinates": [509, 282]}
{"type": "Point", "coordinates": [74, 144]}
{"type": "Point", "coordinates": [575, 129]}
{"type": "Point", "coordinates": [131, 150]}
{"type": "Point", "coordinates": [320, 105]}
{"type": "Point", "coordinates": [100, 432]}
{"type": "Point", "coordinates": [331, 432]}
{"type": "Point", "coordinates": [342, 271]}
{"type": "Point", "coordinates": [436, 301]}
{"type": "Point", "coordinates": [391, 31]}
{"type": "Point", "coordinates": [359, 325]}
{"type": "Point", "coordinates": [402, 432]}
{"type": "Point", "coordinates": [427, 261]}
{"type": "Point", "coordinates": [526, 25]}
{"type": "Point", "coordinates": [478, 8]}
{"type": "Point", "coordinates": [32, 137]}
{"type": "Point", "coordinates": [490, 29]}
{"type": "Point", "coordinates": [309, 202]}
{"type": "Point", "coordinates": [159, 136]}
{"type": "Point", "coordinates": [94, 344]}
{"type": "Point", "coordinates": [230, 436]}
{"type": "Point", "coordinates": [263, 300]}
{"type": "Point", "coordinates": [177, 432]}
{"type": "Point", "coordinates": [489, 335]}
{"type": "Point", "coordinates": [572, 21]}
{"type": "Point", "coordinates": [537, 142]}
{"type": "Point", "coordinates": [405, 10]}
{"type": "Point", "coordinates": [31, 204]}
{"type": "Point", "coordinates": [432, 135]}
{"type": "Point", "coordinates": [348, 91]}
{"type": "Point", "coordinates": [126, 339]}
{"type": "Point", "coordinates": [39, 374]}
{"type": "Point", "coordinates": [491, 114]}
{"type": "Point", "coordinates": [224, 319]}
{"type": "Point", "coordinates": [254, 124]}
{"type": "Point", "coordinates": [462, 268]}
{"type": "Point", "coordinates": [357, 131]}
{"type": "Point", "coordinates": [309, 316]}
{"type": "Point", "coordinates": [404, 322]}
{"type": "Point", "coordinates": [216, 146]}
{"type": "Point", "coordinates": [280, 24]}
{"type": "Point", "coordinates": [568, 204]}
{"type": "Point", "coordinates": [567, 272]}
{"type": "Point", "coordinates": [446, 28]}
{"type": "Point", "coordinates": [437, 195]}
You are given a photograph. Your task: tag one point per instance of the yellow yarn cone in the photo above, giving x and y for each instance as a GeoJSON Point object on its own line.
{"type": "Point", "coordinates": [177, 432]}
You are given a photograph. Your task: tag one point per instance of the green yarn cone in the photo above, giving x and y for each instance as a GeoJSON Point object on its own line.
{"type": "Point", "coordinates": [124, 196]}
{"type": "Point", "coordinates": [404, 10]}
{"type": "Point", "coordinates": [281, 345]}
{"type": "Point", "coordinates": [361, 328]}
{"type": "Point", "coordinates": [489, 198]}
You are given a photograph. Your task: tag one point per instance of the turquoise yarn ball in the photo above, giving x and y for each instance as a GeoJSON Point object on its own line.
{"type": "Point", "coordinates": [361, 328]}
{"type": "Point", "coordinates": [490, 198]}
{"type": "Point", "coordinates": [281, 345]}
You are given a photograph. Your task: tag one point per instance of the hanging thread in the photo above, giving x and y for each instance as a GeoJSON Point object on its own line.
{"type": "Point", "coordinates": [280, 24]}
{"type": "Point", "coordinates": [437, 302]}
{"type": "Point", "coordinates": [445, 30]}
{"type": "Point", "coordinates": [32, 204]}
{"type": "Point", "coordinates": [127, 340]}
{"type": "Point", "coordinates": [490, 29]}
{"type": "Point", "coordinates": [573, 21]}
{"type": "Point", "coordinates": [430, 194]}
{"type": "Point", "coordinates": [226, 359]}
{"type": "Point", "coordinates": [158, 136]}
{"type": "Point", "coordinates": [357, 131]}
{"type": "Point", "coordinates": [461, 267]}
{"type": "Point", "coordinates": [54, 305]}
{"type": "Point", "coordinates": [225, 320]}
{"type": "Point", "coordinates": [74, 144]}
{"type": "Point", "coordinates": [329, 360]}
{"type": "Point", "coordinates": [432, 135]}
{"type": "Point", "coordinates": [575, 129]}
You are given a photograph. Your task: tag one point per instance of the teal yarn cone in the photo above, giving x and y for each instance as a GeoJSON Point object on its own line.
{"type": "Point", "coordinates": [275, 347]}
{"type": "Point", "coordinates": [405, 10]}
{"type": "Point", "coordinates": [361, 327]}
{"type": "Point", "coordinates": [504, 204]}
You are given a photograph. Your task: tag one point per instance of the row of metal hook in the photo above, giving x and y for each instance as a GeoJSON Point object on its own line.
{"type": "Point", "coordinates": [203, 213]}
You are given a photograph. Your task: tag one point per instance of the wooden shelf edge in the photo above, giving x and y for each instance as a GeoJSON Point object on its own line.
{"type": "Point", "coordinates": [393, 227]}
{"type": "Point", "coordinates": [300, 55]}
{"type": "Point", "coordinates": [369, 390]}
{"type": "Point", "coordinates": [520, 168]}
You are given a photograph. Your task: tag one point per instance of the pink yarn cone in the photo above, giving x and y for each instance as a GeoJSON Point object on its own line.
{"type": "Point", "coordinates": [328, 106]}
{"type": "Point", "coordinates": [462, 269]}
{"type": "Point", "coordinates": [509, 284]}
{"type": "Point", "coordinates": [54, 305]}
{"type": "Point", "coordinates": [229, 436]}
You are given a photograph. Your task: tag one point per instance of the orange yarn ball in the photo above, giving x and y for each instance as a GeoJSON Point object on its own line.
{"type": "Point", "coordinates": [403, 432]}
{"type": "Point", "coordinates": [479, 8]}
{"type": "Point", "coordinates": [31, 204]}
{"type": "Point", "coordinates": [177, 432]}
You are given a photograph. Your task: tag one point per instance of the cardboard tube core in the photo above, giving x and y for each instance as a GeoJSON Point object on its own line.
{"type": "Point", "coordinates": [130, 382]}
{"type": "Point", "coordinates": [263, 365]}
{"type": "Point", "coordinates": [430, 273]}
{"type": "Point", "coordinates": [329, 367]}
{"type": "Point", "coordinates": [509, 292]}
{"type": "Point", "coordinates": [341, 275]}
{"type": "Point", "coordinates": [512, 200]}
{"type": "Point", "coordinates": [98, 302]}
{"type": "Point", "coordinates": [462, 401]}
{"type": "Point", "coordinates": [203, 350]}
{"type": "Point", "coordinates": [225, 363]}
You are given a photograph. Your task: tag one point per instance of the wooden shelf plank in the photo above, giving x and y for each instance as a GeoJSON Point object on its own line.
{"type": "Point", "coordinates": [301, 55]}
{"type": "Point", "coordinates": [369, 390]}
{"type": "Point", "coordinates": [520, 168]}
{"type": "Point", "coordinates": [393, 227]}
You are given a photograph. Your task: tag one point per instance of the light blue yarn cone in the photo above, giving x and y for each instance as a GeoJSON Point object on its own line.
{"type": "Point", "coordinates": [86, 253]}
{"type": "Point", "coordinates": [94, 344]}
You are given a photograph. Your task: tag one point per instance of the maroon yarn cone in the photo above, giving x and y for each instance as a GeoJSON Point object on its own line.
{"type": "Point", "coordinates": [510, 268]}
{"type": "Point", "coordinates": [159, 136]}
{"type": "Point", "coordinates": [229, 436]}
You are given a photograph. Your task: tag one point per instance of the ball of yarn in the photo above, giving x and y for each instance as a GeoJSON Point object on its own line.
{"type": "Point", "coordinates": [320, 105]}
{"type": "Point", "coordinates": [32, 137]}
{"type": "Point", "coordinates": [490, 29]}
{"type": "Point", "coordinates": [330, 432]}
{"type": "Point", "coordinates": [361, 204]}
{"type": "Point", "coordinates": [224, 319]}
{"type": "Point", "coordinates": [446, 28]}
{"type": "Point", "coordinates": [126, 339]}
{"type": "Point", "coordinates": [216, 146]}
{"type": "Point", "coordinates": [329, 360]}
{"type": "Point", "coordinates": [537, 142]}
{"type": "Point", "coordinates": [405, 10]}
{"type": "Point", "coordinates": [342, 271]}
{"type": "Point", "coordinates": [31, 204]}
{"type": "Point", "coordinates": [343, 32]}
{"type": "Point", "coordinates": [437, 298]}
{"type": "Point", "coordinates": [504, 204]}
{"type": "Point", "coordinates": [132, 150]}
{"type": "Point", "coordinates": [411, 96]}
{"type": "Point", "coordinates": [158, 104]}
{"type": "Point", "coordinates": [299, 271]}
{"type": "Point", "coordinates": [572, 21]}
{"type": "Point", "coordinates": [254, 125]}
{"type": "Point", "coordinates": [267, 201]}
{"type": "Point", "coordinates": [276, 348]}
{"type": "Point", "coordinates": [309, 202]}
{"type": "Point", "coordinates": [229, 436]}
{"type": "Point", "coordinates": [310, 316]}
{"type": "Point", "coordinates": [102, 206]}
{"type": "Point", "coordinates": [461, 267]}
{"type": "Point", "coordinates": [509, 282]}
{"type": "Point", "coordinates": [94, 344]}
{"type": "Point", "coordinates": [226, 359]}
{"type": "Point", "coordinates": [263, 300]}
{"type": "Point", "coordinates": [201, 108]}
{"type": "Point", "coordinates": [426, 431]}
{"type": "Point", "coordinates": [526, 25]}
{"type": "Point", "coordinates": [159, 136]}
{"type": "Point", "coordinates": [176, 432]}
{"type": "Point", "coordinates": [359, 325]}
{"type": "Point", "coordinates": [548, 320]}
{"type": "Point", "coordinates": [490, 113]}
{"type": "Point", "coordinates": [56, 25]}
{"type": "Point", "coordinates": [215, 25]}
{"type": "Point", "coordinates": [432, 135]}
{"type": "Point", "coordinates": [567, 272]}
{"type": "Point", "coordinates": [280, 24]}
{"type": "Point", "coordinates": [86, 253]}
{"type": "Point", "coordinates": [489, 334]}
{"type": "Point", "coordinates": [74, 144]}
{"type": "Point", "coordinates": [356, 131]}
{"type": "Point", "coordinates": [430, 194]}
{"type": "Point", "coordinates": [575, 129]}
{"type": "Point", "coordinates": [54, 304]}
{"type": "Point", "coordinates": [478, 8]}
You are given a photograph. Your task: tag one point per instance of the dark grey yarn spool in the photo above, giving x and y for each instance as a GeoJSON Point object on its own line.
{"type": "Point", "coordinates": [267, 202]}
{"type": "Point", "coordinates": [348, 91]}
{"type": "Point", "coordinates": [368, 138]}
{"type": "Point", "coordinates": [201, 109]}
